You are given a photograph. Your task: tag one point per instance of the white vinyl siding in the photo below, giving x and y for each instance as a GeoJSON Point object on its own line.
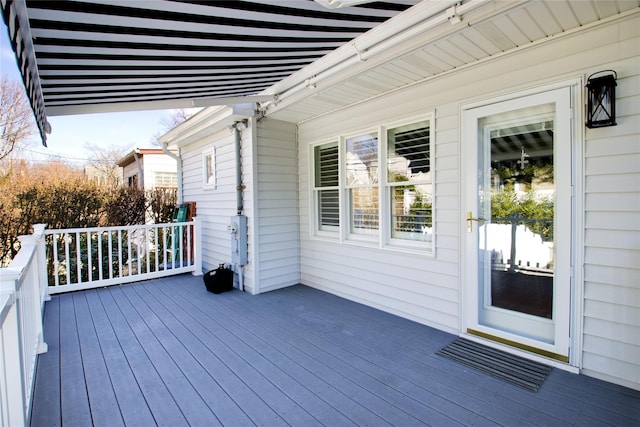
{"type": "Point", "coordinates": [611, 347]}
{"type": "Point", "coordinates": [277, 246]}
{"type": "Point", "coordinates": [215, 209]}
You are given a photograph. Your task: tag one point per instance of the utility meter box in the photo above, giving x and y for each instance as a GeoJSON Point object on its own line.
{"type": "Point", "coordinates": [239, 245]}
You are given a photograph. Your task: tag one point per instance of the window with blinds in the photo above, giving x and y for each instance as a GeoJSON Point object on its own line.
{"type": "Point", "coordinates": [409, 181]}
{"type": "Point", "coordinates": [327, 186]}
{"type": "Point", "coordinates": [376, 187]}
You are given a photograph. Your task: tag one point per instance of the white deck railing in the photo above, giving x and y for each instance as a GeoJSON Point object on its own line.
{"type": "Point", "coordinates": [55, 261]}
{"type": "Point", "coordinates": [86, 258]}
{"type": "Point", "coordinates": [22, 294]}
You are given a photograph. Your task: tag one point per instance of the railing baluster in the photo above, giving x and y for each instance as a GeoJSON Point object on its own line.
{"type": "Point", "coordinates": [140, 250]}
{"type": "Point", "coordinates": [173, 247]}
{"type": "Point", "coordinates": [67, 238]}
{"type": "Point", "coordinates": [78, 259]}
{"type": "Point", "coordinates": [100, 272]}
{"type": "Point", "coordinates": [110, 248]}
{"type": "Point", "coordinates": [155, 248]}
{"type": "Point", "coordinates": [89, 260]}
{"type": "Point", "coordinates": [119, 253]}
{"type": "Point", "coordinates": [147, 248]}
{"type": "Point", "coordinates": [181, 244]}
{"type": "Point", "coordinates": [56, 269]}
{"type": "Point", "coordinates": [189, 231]}
{"type": "Point", "coordinates": [130, 261]}
{"type": "Point", "coordinates": [164, 246]}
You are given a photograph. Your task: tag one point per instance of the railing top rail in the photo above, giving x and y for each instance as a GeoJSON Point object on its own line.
{"type": "Point", "coordinates": [116, 228]}
{"type": "Point", "coordinates": [22, 259]}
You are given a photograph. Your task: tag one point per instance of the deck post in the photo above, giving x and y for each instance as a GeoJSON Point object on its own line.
{"type": "Point", "coordinates": [38, 233]}
{"type": "Point", "coordinates": [197, 246]}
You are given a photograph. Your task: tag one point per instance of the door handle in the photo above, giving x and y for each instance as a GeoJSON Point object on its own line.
{"type": "Point", "coordinates": [470, 220]}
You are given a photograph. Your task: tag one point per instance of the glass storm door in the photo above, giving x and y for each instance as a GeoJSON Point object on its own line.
{"type": "Point", "coordinates": [518, 222]}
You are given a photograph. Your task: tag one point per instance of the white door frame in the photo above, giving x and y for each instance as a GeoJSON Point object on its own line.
{"type": "Point", "coordinates": [576, 207]}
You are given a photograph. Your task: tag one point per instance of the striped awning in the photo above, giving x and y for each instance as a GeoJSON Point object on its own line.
{"type": "Point", "coordinates": [91, 56]}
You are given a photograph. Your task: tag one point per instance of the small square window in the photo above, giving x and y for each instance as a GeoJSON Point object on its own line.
{"type": "Point", "coordinates": [209, 169]}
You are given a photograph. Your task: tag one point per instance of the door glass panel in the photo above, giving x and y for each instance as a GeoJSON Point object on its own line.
{"type": "Point", "coordinates": [517, 199]}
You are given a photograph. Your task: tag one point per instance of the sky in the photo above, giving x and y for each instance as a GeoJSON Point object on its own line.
{"type": "Point", "coordinates": [70, 134]}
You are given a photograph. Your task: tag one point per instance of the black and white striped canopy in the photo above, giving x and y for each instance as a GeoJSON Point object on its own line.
{"type": "Point", "coordinates": [112, 55]}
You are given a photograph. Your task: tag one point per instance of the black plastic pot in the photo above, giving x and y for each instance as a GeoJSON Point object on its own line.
{"type": "Point", "coordinates": [219, 280]}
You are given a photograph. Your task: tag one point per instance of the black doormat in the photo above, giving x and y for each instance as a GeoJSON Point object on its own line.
{"type": "Point", "coordinates": [508, 367]}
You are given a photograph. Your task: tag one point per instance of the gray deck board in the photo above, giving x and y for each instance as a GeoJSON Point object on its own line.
{"type": "Point", "coordinates": [73, 389]}
{"type": "Point", "coordinates": [205, 354]}
{"type": "Point", "coordinates": [46, 401]}
{"type": "Point", "coordinates": [386, 371]}
{"type": "Point", "coordinates": [127, 360]}
{"type": "Point", "coordinates": [166, 352]}
{"type": "Point", "coordinates": [95, 369]}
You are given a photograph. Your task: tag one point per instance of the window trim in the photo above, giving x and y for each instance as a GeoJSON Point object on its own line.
{"type": "Point", "coordinates": [348, 234]}
{"type": "Point", "coordinates": [205, 175]}
{"type": "Point", "coordinates": [382, 238]}
{"type": "Point", "coordinates": [387, 239]}
{"type": "Point", "coordinates": [164, 174]}
{"type": "Point", "coordinates": [314, 226]}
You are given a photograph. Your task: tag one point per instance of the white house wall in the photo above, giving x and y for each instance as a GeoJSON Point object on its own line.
{"type": "Point", "coordinates": [277, 252]}
{"type": "Point", "coordinates": [426, 287]}
{"type": "Point", "coordinates": [216, 206]}
{"type": "Point", "coordinates": [130, 170]}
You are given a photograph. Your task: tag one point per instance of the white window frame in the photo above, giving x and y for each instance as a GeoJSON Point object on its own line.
{"type": "Point", "coordinates": [315, 228]}
{"type": "Point", "coordinates": [209, 178]}
{"type": "Point", "coordinates": [386, 187]}
{"type": "Point", "coordinates": [382, 237]}
{"type": "Point", "coordinates": [365, 236]}
{"type": "Point", "coordinates": [165, 176]}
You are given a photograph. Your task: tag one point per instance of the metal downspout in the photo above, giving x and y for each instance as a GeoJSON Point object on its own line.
{"type": "Point", "coordinates": [237, 128]}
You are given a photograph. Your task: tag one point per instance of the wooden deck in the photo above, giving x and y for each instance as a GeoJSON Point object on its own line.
{"type": "Point", "coordinates": [166, 352]}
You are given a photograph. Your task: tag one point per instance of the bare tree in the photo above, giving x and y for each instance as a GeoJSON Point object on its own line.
{"type": "Point", "coordinates": [17, 124]}
{"type": "Point", "coordinates": [103, 162]}
{"type": "Point", "coordinates": [177, 117]}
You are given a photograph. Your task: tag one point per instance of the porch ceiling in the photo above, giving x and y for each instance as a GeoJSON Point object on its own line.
{"type": "Point", "coordinates": [109, 55]}
{"type": "Point", "coordinates": [438, 46]}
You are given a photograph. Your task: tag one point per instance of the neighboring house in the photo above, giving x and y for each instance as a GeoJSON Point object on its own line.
{"type": "Point", "coordinates": [376, 180]}
{"type": "Point", "coordinates": [148, 168]}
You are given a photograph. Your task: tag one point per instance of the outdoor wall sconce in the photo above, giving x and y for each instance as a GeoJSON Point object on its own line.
{"type": "Point", "coordinates": [601, 104]}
